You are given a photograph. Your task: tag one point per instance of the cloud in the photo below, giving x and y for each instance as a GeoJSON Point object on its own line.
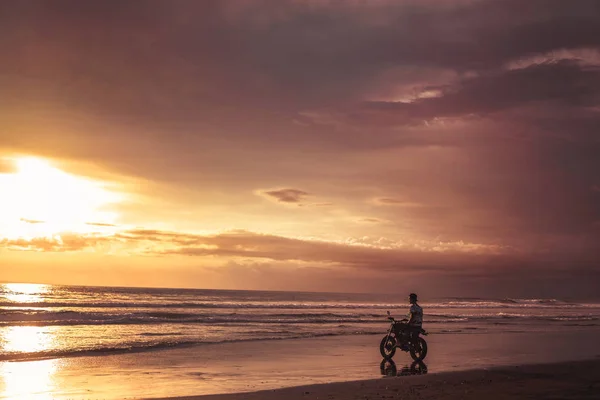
{"type": "Point", "coordinates": [299, 57]}
{"type": "Point", "coordinates": [388, 201]}
{"type": "Point", "coordinates": [367, 252]}
{"type": "Point", "coordinates": [584, 57]}
{"type": "Point", "coordinates": [31, 221]}
{"type": "Point", "coordinates": [563, 82]}
{"type": "Point", "coordinates": [101, 224]}
{"type": "Point", "coordinates": [361, 259]}
{"type": "Point", "coordinates": [67, 242]}
{"type": "Point", "coordinates": [287, 196]}
{"type": "Point", "coordinates": [321, 54]}
{"type": "Point", "coordinates": [370, 220]}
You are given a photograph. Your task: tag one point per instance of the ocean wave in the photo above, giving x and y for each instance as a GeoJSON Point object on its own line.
{"type": "Point", "coordinates": [477, 304]}
{"type": "Point", "coordinates": [168, 344]}
{"type": "Point", "coordinates": [203, 305]}
{"type": "Point", "coordinates": [174, 344]}
{"type": "Point", "coordinates": [73, 317]}
{"type": "Point", "coordinates": [174, 340]}
{"type": "Point", "coordinates": [67, 317]}
{"type": "Point", "coordinates": [40, 355]}
{"type": "Point", "coordinates": [152, 334]}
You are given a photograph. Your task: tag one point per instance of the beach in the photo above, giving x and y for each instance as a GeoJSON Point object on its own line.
{"type": "Point", "coordinates": [569, 380]}
{"type": "Point", "coordinates": [263, 366]}
{"type": "Point", "coordinates": [81, 343]}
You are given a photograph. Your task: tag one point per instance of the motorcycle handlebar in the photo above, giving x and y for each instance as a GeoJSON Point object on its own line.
{"type": "Point", "coordinates": [402, 320]}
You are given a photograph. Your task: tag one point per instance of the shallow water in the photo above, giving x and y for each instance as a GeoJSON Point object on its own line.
{"type": "Point", "coordinates": [44, 321]}
{"type": "Point", "coordinates": [262, 365]}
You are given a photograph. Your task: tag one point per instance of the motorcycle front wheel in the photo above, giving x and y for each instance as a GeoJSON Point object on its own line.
{"type": "Point", "coordinates": [387, 347]}
{"type": "Point", "coordinates": [418, 351]}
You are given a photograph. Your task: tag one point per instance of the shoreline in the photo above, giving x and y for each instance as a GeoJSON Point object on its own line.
{"type": "Point", "coordinates": [162, 347]}
{"type": "Point", "coordinates": [18, 357]}
{"type": "Point", "coordinates": [572, 380]}
{"type": "Point", "coordinates": [236, 367]}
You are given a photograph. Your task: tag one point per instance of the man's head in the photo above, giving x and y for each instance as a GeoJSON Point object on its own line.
{"type": "Point", "coordinates": [412, 298]}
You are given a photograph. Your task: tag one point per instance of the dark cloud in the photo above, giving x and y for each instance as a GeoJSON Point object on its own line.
{"type": "Point", "coordinates": [560, 84]}
{"type": "Point", "coordinates": [563, 81]}
{"type": "Point", "coordinates": [290, 196]}
{"type": "Point", "coordinates": [370, 220]}
{"type": "Point", "coordinates": [387, 200]}
{"type": "Point", "coordinates": [179, 61]}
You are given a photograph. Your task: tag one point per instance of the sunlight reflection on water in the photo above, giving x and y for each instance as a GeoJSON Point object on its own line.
{"type": "Point", "coordinates": [26, 339]}
{"type": "Point", "coordinates": [24, 292]}
{"type": "Point", "coordinates": [27, 380]}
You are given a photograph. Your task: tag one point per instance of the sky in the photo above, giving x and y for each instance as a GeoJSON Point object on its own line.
{"type": "Point", "coordinates": [449, 148]}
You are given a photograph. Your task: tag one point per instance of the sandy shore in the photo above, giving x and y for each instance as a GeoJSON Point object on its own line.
{"type": "Point", "coordinates": [244, 367]}
{"type": "Point", "coordinates": [569, 380]}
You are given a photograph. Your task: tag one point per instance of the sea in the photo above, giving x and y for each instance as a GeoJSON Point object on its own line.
{"type": "Point", "coordinates": [47, 321]}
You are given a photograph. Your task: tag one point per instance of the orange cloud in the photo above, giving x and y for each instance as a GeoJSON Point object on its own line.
{"type": "Point", "coordinates": [357, 252]}
{"type": "Point", "coordinates": [100, 224]}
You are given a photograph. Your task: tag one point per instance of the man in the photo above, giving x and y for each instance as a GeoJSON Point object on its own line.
{"type": "Point", "coordinates": [416, 313]}
{"type": "Point", "coordinates": [415, 321]}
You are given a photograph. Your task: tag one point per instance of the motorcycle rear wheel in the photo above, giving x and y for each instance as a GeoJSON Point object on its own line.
{"type": "Point", "coordinates": [387, 347]}
{"type": "Point", "coordinates": [419, 351]}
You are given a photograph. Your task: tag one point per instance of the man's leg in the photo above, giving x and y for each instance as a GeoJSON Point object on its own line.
{"type": "Point", "coordinates": [414, 334]}
{"type": "Point", "coordinates": [406, 337]}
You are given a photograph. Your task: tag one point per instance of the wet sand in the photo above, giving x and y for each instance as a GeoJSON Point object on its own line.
{"type": "Point", "coordinates": [571, 380]}
{"type": "Point", "coordinates": [267, 365]}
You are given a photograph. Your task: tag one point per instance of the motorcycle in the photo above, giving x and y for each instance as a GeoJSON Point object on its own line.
{"type": "Point", "coordinates": [401, 337]}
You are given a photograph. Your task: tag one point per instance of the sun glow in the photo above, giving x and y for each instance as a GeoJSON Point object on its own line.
{"type": "Point", "coordinates": [39, 200]}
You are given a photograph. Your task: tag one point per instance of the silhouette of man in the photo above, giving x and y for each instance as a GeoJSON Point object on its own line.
{"type": "Point", "coordinates": [415, 322]}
